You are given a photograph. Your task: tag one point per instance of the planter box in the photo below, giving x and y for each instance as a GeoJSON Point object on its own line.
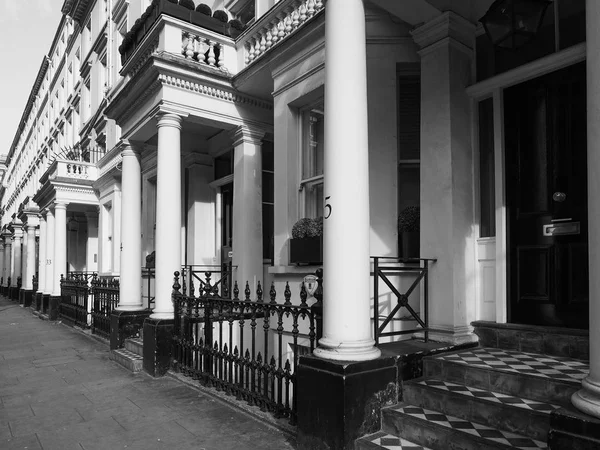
{"type": "Point", "coordinates": [409, 244]}
{"type": "Point", "coordinates": [306, 250]}
{"type": "Point", "coordinates": [210, 23]}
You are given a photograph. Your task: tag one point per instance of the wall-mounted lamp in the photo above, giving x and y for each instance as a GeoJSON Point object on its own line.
{"type": "Point", "coordinates": [511, 24]}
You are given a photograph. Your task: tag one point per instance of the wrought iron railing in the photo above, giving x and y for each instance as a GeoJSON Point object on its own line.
{"type": "Point", "coordinates": [247, 348]}
{"type": "Point", "coordinates": [383, 268]}
{"type": "Point", "coordinates": [148, 286]}
{"type": "Point", "coordinates": [105, 298]}
{"type": "Point", "coordinates": [204, 280]}
{"type": "Point", "coordinates": [34, 283]}
{"type": "Point", "coordinates": [74, 304]}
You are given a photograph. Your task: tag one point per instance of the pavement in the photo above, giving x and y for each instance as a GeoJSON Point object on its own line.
{"type": "Point", "coordinates": [59, 390]}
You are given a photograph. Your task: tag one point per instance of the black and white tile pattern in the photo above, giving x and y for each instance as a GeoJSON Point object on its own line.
{"type": "Point", "coordinates": [496, 397]}
{"type": "Point", "coordinates": [555, 367]}
{"type": "Point", "coordinates": [390, 442]}
{"type": "Point", "coordinates": [475, 429]}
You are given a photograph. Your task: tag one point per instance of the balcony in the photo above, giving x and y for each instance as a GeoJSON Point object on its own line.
{"type": "Point", "coordinates": [169, 28]}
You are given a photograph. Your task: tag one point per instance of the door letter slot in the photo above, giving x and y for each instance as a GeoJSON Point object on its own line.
{"type": "Point", "coordinates": [561, 229]}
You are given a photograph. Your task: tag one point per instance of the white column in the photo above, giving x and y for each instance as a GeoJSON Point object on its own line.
{"type": "Point", "coordinates": [247, 207]}
{"type": "Point", "coordinates": [7, 257]}
{"type": "Point", "coordinates": [587, 399]}
{"type": "Point", "coordinates": [24, 257]}
{"type": "Point", "coordinates": [92, 241]}
{"type": "Point", "coordinates": [13, 278]}
{"type": "Point", "coordinates": [347, 333]}
{"type": "Point", "coordinates": [168, 217]}
{"type": "Point", "coordinates": [17, 251]}
{"type": "Point", "coordinates": [130, 288]}
{"type": "Point", "coordinates": [42, 256]}
{"type": "Point", "coordinates": [49, 283]}
{"type": "Point", "coordinates": [2, 275]}
{"type": "Point", "coordinates": [32, 223]}
{"type": "Point", "coordinates": [446, 169]}
{"type": "Point", "coordinates": [60, 245]}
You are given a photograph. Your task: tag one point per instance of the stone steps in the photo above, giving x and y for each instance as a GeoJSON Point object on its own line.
{"type": "Point", "coordinates": [127, 359]}
{"type": "Point", "coordinates": [132, 356]}
{"type": "Point", "coordinates": [480, 398]}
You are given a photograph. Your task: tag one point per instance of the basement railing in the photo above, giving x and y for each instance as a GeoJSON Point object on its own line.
{"type": "Point", "coordinates": [75, 293]}
{"type": "Point", "coordinates": [246, 347]}
{"type": "Point", "coordinates": [404, 277]}
{"type": "Point", "coordinates": [105, 294]}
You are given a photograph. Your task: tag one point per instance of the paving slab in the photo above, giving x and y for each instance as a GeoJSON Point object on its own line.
{"type": "Point", "coordinates": [59, 390]}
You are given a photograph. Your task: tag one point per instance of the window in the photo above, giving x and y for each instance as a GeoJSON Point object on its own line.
{"type": "Point", "coordinates": [268, 200]}
{"type": "Point", "coordinates": [409, 134]}
{"type": "Point", "coordinates": [487, 202]}
{"type": "Point", "coordinates": [313, 151]}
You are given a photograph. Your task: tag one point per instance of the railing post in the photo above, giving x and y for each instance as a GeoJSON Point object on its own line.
{"type": "Point", "coordinates": [376, 299]}
{"type": "Point", "coordinates": [317, 308]}
{"type": "Point", "coordinates": [177, 322]}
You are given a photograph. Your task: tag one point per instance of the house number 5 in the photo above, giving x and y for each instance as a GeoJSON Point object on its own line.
{"type": "Point", "coordinates": [327, 208]}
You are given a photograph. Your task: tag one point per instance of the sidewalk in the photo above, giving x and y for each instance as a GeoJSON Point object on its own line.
{"type": "Point", "coordinates": [59, 390]}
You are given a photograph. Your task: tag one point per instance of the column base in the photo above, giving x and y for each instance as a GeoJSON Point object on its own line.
{"type": "Point", "coordinates": [45, 303]}
{"type": "Point", "coordinates": [587, 400]}
{"type": "Point", "coordinates": [355, 351]}
{"type": "Point", "coordinates": [54, 307]}
{"type": "Point", "coordinates": [125, 325]}
{"type": "Point", "coordinates": [27, 295]}
{"type": "Point", "coordinates": [451, 335]}
{"type": "Point", "coordinates": [573, 430]}
{"type": "Point", "coordinates": [38, 300]}
{"type": "Point", "coordinates": [21, 296]}
{"type": "Point", "coordinates": [339, 402]}
{"type": "Point", "coordinates": [158, 345]}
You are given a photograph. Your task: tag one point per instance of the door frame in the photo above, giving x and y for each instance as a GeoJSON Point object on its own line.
{"type": "Point", "coordinates": [217, 185]}
{"type": "Point", "coordinates": [494, 87]}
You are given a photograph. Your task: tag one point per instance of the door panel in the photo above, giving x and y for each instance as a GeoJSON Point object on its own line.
{"type": "Point", "coordinates": [545, 123]}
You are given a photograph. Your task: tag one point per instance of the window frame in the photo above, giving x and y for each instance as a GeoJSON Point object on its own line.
{"type": "Point", "coordinates": [311, 182]}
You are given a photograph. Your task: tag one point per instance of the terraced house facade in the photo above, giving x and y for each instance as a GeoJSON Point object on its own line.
{"type": "Point", "coordinates": [271, 196]}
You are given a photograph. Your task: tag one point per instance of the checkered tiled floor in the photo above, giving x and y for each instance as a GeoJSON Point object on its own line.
{"type": "Point", "coordinates": [495, 397]}
{"type": "Point", "coordinates": [475, 429]}
{"type": "Point", "coordinates": [555, 367]}
{"type": "Point", "coordinates": [390, 442]}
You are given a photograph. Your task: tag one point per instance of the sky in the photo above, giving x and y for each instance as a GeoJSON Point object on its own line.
{"type": "Point", "coordinates": [27, 29]}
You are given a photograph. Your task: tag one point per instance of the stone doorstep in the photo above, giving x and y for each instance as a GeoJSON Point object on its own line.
{"type": "Point", "coordinates": [566, 342]}
{"type": "Point", "coordinates": [135, 345]}
{"type": "Point", "coordinates": [383, 440]}
{"type": "Point", "coordinates": [518, 384]}
{"type": "Point", "coordinates": [127, 359]}
{"type": "Point", "coordinates": [516, 415]}
{"type": "Point", "coordinates": [440, 431]}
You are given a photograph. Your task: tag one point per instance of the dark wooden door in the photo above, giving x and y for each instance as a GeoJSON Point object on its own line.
{"type": "Point", "coordinates": [546, 181]}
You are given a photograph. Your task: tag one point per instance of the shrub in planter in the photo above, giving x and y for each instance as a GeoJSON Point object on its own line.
{"type": "Point", "coordinates": [173, 1]}
{"type": "Point", "coordinates": [306, 244]}
{"type": "Point", "coordinates": [204, 9]}
{"type": "Point", "coordinates": [189, 4]}
{"type": "Point", "coordinates": [236, 25]}
{"type": "Point", "coordinates": [409, 232]}
{"type": "Point", "coordinates": [221, 15]}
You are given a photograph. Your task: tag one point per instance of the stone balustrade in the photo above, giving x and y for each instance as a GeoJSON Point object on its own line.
{"type": "Point", "coordinates": [201, 48]}
{"type": "Point", "coordinates": [277, 25]}
{"type": "Point", "coordinates": [76, 169]}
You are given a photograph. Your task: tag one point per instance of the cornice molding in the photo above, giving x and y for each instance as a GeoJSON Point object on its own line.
{"type": "Point", "coordinates": [447, 25]}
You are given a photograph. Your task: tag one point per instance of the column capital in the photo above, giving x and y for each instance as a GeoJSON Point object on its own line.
{"type": "Point", "coordinates": [130, 149]}
{"type": "Point", "coordinates": [247, 134]}
{"type": "Point", "coordinates": [169, 120]}
{"type": "Point", "coordinates": [60, 205]}
{"type": "Point", "coordinates": [447, 28]}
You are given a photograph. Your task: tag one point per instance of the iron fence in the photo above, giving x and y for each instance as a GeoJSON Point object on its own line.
{"type": "Point", "coordinates": [247, 348]}
{"type": "Point", "coordinates": [383, 268]}
{"type": "Point", "coordinates": [148, 286]}
{"type": "Point", "coordinates": [205, 280]}
{"type": "Point", "coordinates": [105, 293]}
{"type": "Point", "coordinates": [75, 291]}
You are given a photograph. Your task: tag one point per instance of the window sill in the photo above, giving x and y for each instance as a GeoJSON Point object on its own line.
{"type": "Point", "coordinates": [299, 270]}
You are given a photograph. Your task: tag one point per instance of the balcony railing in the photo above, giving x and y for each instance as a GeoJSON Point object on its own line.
{"type": "Point", "coordinates": [280, 22]}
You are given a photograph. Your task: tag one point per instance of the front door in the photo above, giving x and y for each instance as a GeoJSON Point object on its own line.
{"type": "Point", "coordinates": [227, 229]}
{"type": "Point", "coordinates": [546, 188]}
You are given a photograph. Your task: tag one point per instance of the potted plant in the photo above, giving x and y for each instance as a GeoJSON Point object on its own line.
{"type": "Point", "coordinates": [409, 232]}
{"type": "Point", "coordinates": [306, 243]}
